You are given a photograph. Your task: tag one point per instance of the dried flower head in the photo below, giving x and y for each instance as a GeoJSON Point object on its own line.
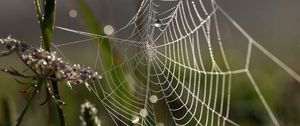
{"type": "Point", "coordinates": [14, 45]}
{"type": "Point", "coordinates": [45, 64]}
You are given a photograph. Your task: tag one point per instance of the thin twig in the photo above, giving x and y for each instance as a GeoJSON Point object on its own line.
{"type": "Point", "coordinates": [20, 119]}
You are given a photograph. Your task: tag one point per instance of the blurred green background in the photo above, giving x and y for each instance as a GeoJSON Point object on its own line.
{"type": "Point", "coordinates": [273, 23]}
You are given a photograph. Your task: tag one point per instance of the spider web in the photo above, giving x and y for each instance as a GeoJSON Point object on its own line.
{"type": "Point", "coordinates": [162, 54]}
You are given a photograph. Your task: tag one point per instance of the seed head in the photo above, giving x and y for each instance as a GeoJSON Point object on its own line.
{"type": "Point", "coordinates": [47, 63]}
{"type": "Point", "coordinates": [88, 115]}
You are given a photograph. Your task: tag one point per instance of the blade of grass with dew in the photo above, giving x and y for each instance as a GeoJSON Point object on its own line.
{"type": "Point", "coordinates": [110, 58]}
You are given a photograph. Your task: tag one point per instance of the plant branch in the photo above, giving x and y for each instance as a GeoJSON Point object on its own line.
{"type": "Point", "coordinates": [20, 118]}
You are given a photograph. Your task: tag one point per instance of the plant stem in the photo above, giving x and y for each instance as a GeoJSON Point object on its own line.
{"type": "Point", "coordinates": [47, 27]}
{"type": "Point", "coordinates": [20, 118]}
{"type": "Point", "coordinates": [6, 112]}
{"type": "Point", "coordinates": [48, 23]}
{"type": "Point", "coordinates": [59, 105]}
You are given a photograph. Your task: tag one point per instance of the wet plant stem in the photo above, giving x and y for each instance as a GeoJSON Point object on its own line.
{"type": "Point", "coordinates": [59, 104]}
{"type": "Point", "coordinates": [47, 21]}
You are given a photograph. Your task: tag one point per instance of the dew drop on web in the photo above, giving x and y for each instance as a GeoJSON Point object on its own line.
{"type": "Point", "coordinates": [143, 113]}
{"type": "Point", "coordinates": [135, 119]}
{"type": "Point", "coordinates": [158, 23]}
{"type": "Point", "coordinates": [160, 124]}
{"type": "Point", "coordinates": [153, 99]}
{"type": "Point", "coordinates": [108, 29]}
